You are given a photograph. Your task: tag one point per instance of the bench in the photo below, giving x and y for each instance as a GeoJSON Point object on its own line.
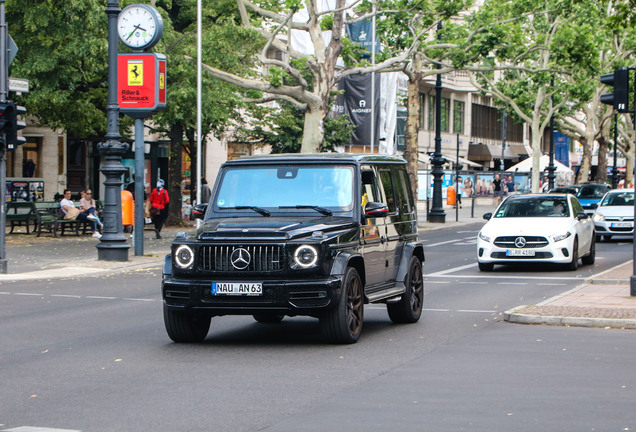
{"type": "Point", "coordinates": [21, 213]}
{"type": "Point", "coordinates": [50, 218]}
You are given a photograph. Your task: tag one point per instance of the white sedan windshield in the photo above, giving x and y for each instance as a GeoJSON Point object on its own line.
{"type": "Point", "coordinates": [535, 207]}
{"type": "Point", "coordinates": [286, 186]}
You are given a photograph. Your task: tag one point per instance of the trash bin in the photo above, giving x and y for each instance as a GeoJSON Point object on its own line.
{"type": "Point", "coordinates": [127, 208]}
{"type": "Point", "coordinates": [450, 195]}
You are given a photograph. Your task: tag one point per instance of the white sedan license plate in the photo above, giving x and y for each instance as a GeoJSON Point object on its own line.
{"type": "Point", "coordinates": [237, 288]}
{"type": "Point", "coordinates": [520, 252]}
{"type": "Point", "coordinates": [621, 225]}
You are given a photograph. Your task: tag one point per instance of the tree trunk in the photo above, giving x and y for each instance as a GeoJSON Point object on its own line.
{"type": "Point", "coordinates": [601, 171]}
{"type": "Point", "coordinates": [586, 161]}
{"type": "Point", "coordinates": [174, 174]}
{"type": "Point", "coordinates": [314, 129]}
{"type": "Point", "coordinates": [537, 133]}
{"type": "Point", "coordinates": [411, 151]}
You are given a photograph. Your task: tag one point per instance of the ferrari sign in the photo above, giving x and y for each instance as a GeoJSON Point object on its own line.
{"type": "Point", "coordinates": [141, 84]}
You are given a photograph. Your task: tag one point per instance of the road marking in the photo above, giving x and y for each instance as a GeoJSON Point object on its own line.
{"type": "Point", "coordinates": [38, 429]}
{"type": "Point", "coordinates": [101, 297]}
{"type": "Point", "coordinates": [72, 296]}
{"type": "Point", "coordinates": [512, 283]}
{"type": "Point", "coordinates": [29, 294]}
{"type": "Point", "coordinates": [551, 284]}
{"type": "Point", "coordinates": [65, 296]}
{"type": "Point", "coordinates": [454, 269]}
{"type": "Point", "coordinates": [449, 241]}
{"type": "Point", "coordinates": [475, 311]}
{"type": "Point", "coordinates": [437, 282]}
{"type": "Point", "coordinates": [436, 310]}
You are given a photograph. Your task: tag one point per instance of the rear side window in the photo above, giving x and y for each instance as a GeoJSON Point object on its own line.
{"type": "Point", "coordinates": [389, 190]}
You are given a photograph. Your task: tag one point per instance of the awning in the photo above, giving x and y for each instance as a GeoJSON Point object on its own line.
{"type": "Point", "coordinates": [479, 152]}
{"type": "Point", "coordinates": [495, 151]}
{"type": "Point", "coordinates": [519, 150]}
{"type": "Point", "coordinates": [462, 161]}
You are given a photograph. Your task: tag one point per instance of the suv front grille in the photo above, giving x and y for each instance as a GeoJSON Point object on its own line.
{"type": "Point", "coordinates": [262, 258]}
{"type": "Point", "coordinates": [531, 242]}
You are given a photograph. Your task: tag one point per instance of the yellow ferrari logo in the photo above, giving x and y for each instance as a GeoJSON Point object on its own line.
{"type": "Point", "coordinates": [135, 73]}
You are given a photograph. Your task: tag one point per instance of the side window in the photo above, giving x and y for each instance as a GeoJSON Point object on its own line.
{"type": "Point", "coordinates": [576, 206]}
{"type": "Point", "coordinates": [405, 198]}
{"type": "Point", "coordinates": [389, 191]}
{"type": "Point", "coordinates": [369, 187]}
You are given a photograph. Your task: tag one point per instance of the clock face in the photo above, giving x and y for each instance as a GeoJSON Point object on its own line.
{"type": "Point", "coordinates": [139, 26]}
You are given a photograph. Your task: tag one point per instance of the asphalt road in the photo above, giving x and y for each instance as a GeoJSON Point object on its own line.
{"type": "Point", "coordinates": [91, 354]}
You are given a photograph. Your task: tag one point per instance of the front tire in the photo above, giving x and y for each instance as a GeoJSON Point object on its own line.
{"type": "Point", "coordinates": [574, 263]}
{"type": "Point", "coordinates": [591, 257]}
{"type": "Point", "coordinates": [343, 323]}
{"type": "Point", "coordinates": [409, 309]}
{"type": "Point", "coordinates": [486, 267]}
{"type": "Point", "coordinates": [183, 327]}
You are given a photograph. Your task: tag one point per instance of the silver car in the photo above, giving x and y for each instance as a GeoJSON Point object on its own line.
{"type": "Point", "coordinates": [615, 214]}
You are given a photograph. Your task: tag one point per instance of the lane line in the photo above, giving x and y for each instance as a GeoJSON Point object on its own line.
{"type": "Point", "coordinates": [449, 241]}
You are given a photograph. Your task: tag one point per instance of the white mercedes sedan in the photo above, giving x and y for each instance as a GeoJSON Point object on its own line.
{"type": "Point", "coordinates": [551, 228]}
{"type": "Point", "coordinates": [615, 214]}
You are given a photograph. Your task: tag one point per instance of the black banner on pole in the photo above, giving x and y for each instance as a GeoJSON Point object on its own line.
{"type": "Point", "coordinates": [356, 103]}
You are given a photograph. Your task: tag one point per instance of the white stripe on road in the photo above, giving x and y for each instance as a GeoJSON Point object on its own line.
{"type": "Point", "coordinates": [448, 241]}
{"type": "Point", "coordinates": [452, 270]}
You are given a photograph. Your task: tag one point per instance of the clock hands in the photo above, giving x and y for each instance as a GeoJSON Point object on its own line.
{"type": "Point", "coordinates": [137, 27]}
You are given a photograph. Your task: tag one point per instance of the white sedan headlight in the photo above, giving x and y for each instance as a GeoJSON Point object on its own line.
{"type": "Point", "coordinates": [184, 257]}
{"type": "Point", "coordinates": [598, 217]}
{"type": "Point", "coordinates": [484, 237]}
{"type": "Point", "coordinates": [558, 238]}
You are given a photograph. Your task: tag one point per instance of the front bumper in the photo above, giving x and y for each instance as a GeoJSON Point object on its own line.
{"type": "Point", "coordinates": [614, 228]}
{"type": "Point", "coordinates": [559, 252]}
{"type": "Point", "coordinates": [297, 297]}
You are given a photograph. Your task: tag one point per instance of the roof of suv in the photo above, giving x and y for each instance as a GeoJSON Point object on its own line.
{"type": "Point", "coordinates": [315, 158]}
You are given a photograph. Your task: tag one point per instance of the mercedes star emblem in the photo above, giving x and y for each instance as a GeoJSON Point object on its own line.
{"type": "Point", "coordinates": [520, 242]}
{"type": "Point", "coordinates": [240, 258]}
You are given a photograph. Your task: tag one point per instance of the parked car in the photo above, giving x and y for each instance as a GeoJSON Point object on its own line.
{"type": "Point", "coordinates": [615, 214]}
{"type": "Point", "coordinates": [551, 228]}
{"type": "Point", "coordinates": [283, 235]}
{"type": "Point", "coordinates": [590, 194]}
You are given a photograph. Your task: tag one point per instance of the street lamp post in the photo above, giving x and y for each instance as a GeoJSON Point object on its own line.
{"type": "Point", "coordinates": [113, 246]}
{"type": "Point", "coordinates": [551, 168]}
{"type": "Point", "coordinates": [437, 213]}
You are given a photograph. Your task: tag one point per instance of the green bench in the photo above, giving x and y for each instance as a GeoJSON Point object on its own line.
{"type": "Point", "coordinates": [50, 218]}
{"type": "Point", "coordinates": [21, 213]}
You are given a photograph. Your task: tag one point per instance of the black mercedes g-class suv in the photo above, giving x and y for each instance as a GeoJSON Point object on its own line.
{"type": "Point", "coordinates": [303, 234]}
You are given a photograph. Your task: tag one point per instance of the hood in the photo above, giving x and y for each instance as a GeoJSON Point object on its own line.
{"type": "Point", "coordinates": [283, 228]}
{"type": "Point", "coordinates": [586, 202]}
{"type": "Point", "coordinates": [616, 211]}
{"type": "Point", "coordinates": [535, 226]}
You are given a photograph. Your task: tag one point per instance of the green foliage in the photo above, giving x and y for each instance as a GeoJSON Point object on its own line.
{"type": "Point", "coordinates": [282, 129]}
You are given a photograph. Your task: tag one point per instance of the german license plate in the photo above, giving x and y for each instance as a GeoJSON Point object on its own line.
{"type": "Point", "coordinates": [520, 252]}
{"type": "Point", "coordinates": [621, 225]}
{"type": "Point", "coordinates": [237, 288]}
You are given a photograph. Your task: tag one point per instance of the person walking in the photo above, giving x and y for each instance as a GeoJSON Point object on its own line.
{"type": "Point", "coordinates": [159, 203]}
{"type": "Point", "coordinates": [205, 191]}
{"type": "Point", "coordinates": [497, 190]}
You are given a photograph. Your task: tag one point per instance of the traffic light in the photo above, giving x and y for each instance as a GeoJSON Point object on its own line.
{"type": "Point", "coordinates": [620, 98]}
{"type": "Point", "coordinates": [11, 129]}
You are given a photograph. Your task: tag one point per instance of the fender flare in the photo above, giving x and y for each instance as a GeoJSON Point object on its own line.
{"type": "Point", "coordinates": [410, 249]}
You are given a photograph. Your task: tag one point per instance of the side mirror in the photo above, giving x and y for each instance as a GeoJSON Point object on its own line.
{"type": "Point", "coordinates": [488, 216]}
{"type": "Point", "coordinates": [375, 209]}
{"type": "Point", "coordinates": [594, 205]}
{"type": "Point", "coordinates": [582, 215]}
{"type": "Point", "coordinates": [198, 211]}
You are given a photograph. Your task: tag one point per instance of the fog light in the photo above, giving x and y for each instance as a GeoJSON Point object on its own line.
{"type": "Point", "coordinates": [566, 252]}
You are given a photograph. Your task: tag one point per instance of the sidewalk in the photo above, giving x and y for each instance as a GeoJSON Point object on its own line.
{"type": "Point", "coordinates": [603, 301]}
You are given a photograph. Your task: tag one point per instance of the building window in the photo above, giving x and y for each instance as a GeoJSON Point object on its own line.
{"type": "Point", "coordinates": [458, 117]}
{"type": "Point", "coordinates": [445, 113]}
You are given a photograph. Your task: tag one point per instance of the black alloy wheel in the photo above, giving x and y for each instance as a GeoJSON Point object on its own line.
{"type": "Point", "coordinates": [409, 308]}
{"type": "Point", "coordinates": [183, 327]}
{"type": "Point", "coordinates": [343, 323]}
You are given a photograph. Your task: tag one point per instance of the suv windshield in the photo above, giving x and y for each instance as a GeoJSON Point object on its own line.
{"type": "Point", "coordinates": [534, 207]}
{"type": "Point", "coordinates": [273, 187]}
{"type": "Point", "coordinates": [591, 191]}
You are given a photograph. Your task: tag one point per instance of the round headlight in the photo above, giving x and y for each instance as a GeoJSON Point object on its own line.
{"type": "Point", "coordinates": [184, 257]}
{"type": "Point", "coordinates": [306, 256]}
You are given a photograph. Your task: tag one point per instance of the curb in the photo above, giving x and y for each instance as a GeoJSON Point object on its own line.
{"type": "Point", "coordinates": [515, 316]}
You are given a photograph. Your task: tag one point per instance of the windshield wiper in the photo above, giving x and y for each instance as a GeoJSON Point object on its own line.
{"type": "Point", "coordinates": [256, 209]}
{"type": "Point", "coordinates": [322, 210]}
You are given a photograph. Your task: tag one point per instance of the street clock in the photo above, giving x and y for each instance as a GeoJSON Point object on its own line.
{"type": "Point", "coordinates": [139, 26]}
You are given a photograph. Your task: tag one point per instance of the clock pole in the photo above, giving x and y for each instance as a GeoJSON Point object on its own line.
{"type": "Point", "coordinates": [112, 246]}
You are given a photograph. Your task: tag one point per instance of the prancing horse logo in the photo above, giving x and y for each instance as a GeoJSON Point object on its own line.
{"type": "Point", "coordinates": [520, 242]}
{"type": "Point", "coordinates": [240, 258]}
